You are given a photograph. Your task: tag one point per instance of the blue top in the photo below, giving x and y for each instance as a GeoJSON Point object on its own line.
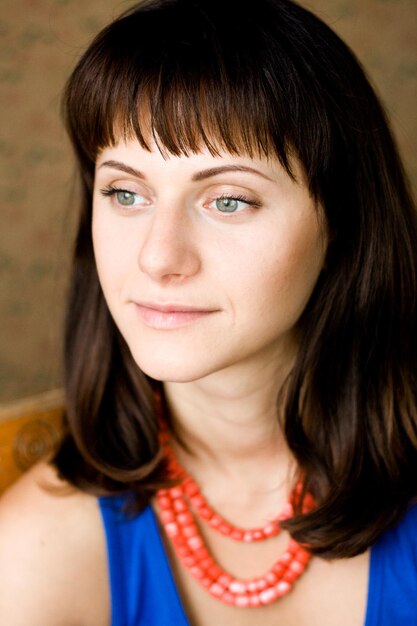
{"type": "Point", "coordinates": [143, 590]}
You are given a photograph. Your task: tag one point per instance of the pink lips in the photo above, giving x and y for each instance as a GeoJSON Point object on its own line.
{"type": "Point", "coordinates": [169, 316]}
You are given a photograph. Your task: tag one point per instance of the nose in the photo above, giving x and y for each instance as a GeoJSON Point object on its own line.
{"type": "Point", "coordinates": [167, 249]}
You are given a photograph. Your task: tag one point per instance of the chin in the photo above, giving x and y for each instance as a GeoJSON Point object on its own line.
{"type": "Point", "coordinates": [171, 369]}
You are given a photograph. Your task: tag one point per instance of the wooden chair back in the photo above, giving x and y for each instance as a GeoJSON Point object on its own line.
{"type": "Point", "coordinates": [29, 430]}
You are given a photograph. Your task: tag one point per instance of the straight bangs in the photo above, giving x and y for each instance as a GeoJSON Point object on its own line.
{"type": "Point", "coordinates": [151, 77]}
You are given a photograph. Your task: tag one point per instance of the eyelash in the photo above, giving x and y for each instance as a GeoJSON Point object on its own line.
{"type": "Point", "coordinates": [238, 198]}
{"type": "Point", "coordinates": [110, 191]}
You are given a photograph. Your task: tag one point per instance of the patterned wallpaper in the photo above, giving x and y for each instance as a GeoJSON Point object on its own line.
{"type": "Point", "coordinates": [40, 41]}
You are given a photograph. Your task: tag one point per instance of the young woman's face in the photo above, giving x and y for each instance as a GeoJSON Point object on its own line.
{"type": "Point", "coordinates": [206, 262]}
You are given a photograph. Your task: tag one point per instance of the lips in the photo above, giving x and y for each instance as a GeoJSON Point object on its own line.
{"type": "Point", "coordinates": [168, 316]}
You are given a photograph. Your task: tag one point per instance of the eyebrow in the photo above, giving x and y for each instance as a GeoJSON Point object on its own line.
{"type": "Point", "coordinates": [198, 176]}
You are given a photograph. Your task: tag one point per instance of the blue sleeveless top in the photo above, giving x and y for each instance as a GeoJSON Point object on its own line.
{"type": "Point", "coordinates": [143, 590]}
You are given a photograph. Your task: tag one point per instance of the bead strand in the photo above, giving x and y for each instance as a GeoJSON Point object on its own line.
{"type": "Point", "coordinates": [205, 512]}
{"type": "Point", "coordinates": [189, 546]}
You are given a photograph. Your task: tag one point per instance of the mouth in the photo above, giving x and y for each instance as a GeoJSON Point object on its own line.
{"type": "Point", "coordinates": [168, 316]}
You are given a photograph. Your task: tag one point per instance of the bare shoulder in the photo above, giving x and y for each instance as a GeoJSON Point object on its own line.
{"type": "Point", "coordinates": [52, 554]}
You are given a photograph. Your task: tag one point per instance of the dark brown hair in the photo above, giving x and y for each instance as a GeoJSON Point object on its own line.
{"type": "Point", "coordinates": [264, 77]}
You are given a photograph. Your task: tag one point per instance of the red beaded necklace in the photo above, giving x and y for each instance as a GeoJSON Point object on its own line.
{"type": "Point", "coordinates": [179, 505]}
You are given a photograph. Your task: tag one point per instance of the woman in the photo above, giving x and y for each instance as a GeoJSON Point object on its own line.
{"type": "Point", "coordinates": [240, 343]}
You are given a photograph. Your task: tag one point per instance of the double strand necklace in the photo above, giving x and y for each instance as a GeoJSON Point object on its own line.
{"type": "Point", "coordinates": [179, 506]}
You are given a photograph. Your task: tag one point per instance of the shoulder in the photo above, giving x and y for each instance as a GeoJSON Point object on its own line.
{"type": "Point", "coordinates": [52, 554]}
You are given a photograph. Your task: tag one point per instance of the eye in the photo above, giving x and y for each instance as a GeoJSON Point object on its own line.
{"type": "Point", "coordinates": [232, 204]}
{"type": "Point", "coordinates": [124, 197]}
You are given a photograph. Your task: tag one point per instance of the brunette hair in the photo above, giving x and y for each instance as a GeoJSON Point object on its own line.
{"type": "Point", "coordinates": [264, 77]}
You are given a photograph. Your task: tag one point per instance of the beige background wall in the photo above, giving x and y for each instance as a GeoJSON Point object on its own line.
{"type": "Point", "coordinates": [40, 41]}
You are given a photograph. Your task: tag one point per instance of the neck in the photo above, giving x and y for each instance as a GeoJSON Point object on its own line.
{"type": "Point", "coordinates": [230, 427]}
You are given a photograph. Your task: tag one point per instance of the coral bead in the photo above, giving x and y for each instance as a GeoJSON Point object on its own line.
{"type": "Point", "coordinates": [195, 543]}
{"type": "Point", "coordinates": [224, 579]}
{"type": "Point", "coordinates": [214, 571]}
{"type": "Point", "coordinates": [282, 588]}
{"type": "Point", "coordinates": [178, 508]}
{"type": "Point", "coordinates": [286, 558]}
{"type": "Point", "coordinates": [279, 569]}
{"type": "Point", "coordinates": [216, 589]}
{"type": "Point", "coordinates": [290, 576]}
{"type": "Point", "coordinates": [190, 488]}
{"type": "Point", "coordinates": [303, 556]}
{"type": "Point", "coordinates": [179, 505]}
{"type": "Point", "coordinates": [197, 572]}
{"type": "Point", "coordinates": [185, 518]}
{"type": "Point", "coordinates": [179, 541]}
{"type": "Point", "coordinates": [228, 598]}
{"type": "Point", "coordinates": [171, 529]}
{"type": "Point", "coordinates": [202, 554]}
{"type": "Point", "coordinates": [205, 513]}
{"type": "Point", "coordinates": [237, 534]}
{"type": "Point", "coordinates": [242, 601]}
{"type": "Point", "coordinates": [269, 595]}
{"type": "Point", "coordinates": [215, 521]}
{"type": "Point", "coordinates": [271, 578]}
{"type": "Point", "coordinates": [164, 502]}
{"type": "Point", "coordinates": [261, 584]}
{"type": "Point", "coordinates": [296, 567]}
{"type": "Point", "coordinates": [270, 530]}
{"type": "Point", "coordinates": [237, 587]}
{"type": "Point", "coordinates": [167, 516]}
{"type": "Point", "coordinates": [206, 562]}
{"type": "Point", "coordinates": [225, 529]}
{"type": "Point", "coordinates": [189, 531]}
{"type": "Point", "coordinates": [197, 501]}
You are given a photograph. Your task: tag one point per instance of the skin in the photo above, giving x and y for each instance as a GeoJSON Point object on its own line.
{"type": "Point", "coordinates": [168, 241]}
{"type": "Point", "coordinates": [252, 270]}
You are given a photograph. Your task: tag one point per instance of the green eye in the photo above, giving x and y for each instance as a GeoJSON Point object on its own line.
{"type": "Point", "coordinates": [125, 198]}
{"type": "Point", "coordinates": [227, 205]}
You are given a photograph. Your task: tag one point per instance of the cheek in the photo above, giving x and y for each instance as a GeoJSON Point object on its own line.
{"type": "Point", "coordinates": [112, 254]}
{"type": "Point", "coordinates": [278, 277]}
